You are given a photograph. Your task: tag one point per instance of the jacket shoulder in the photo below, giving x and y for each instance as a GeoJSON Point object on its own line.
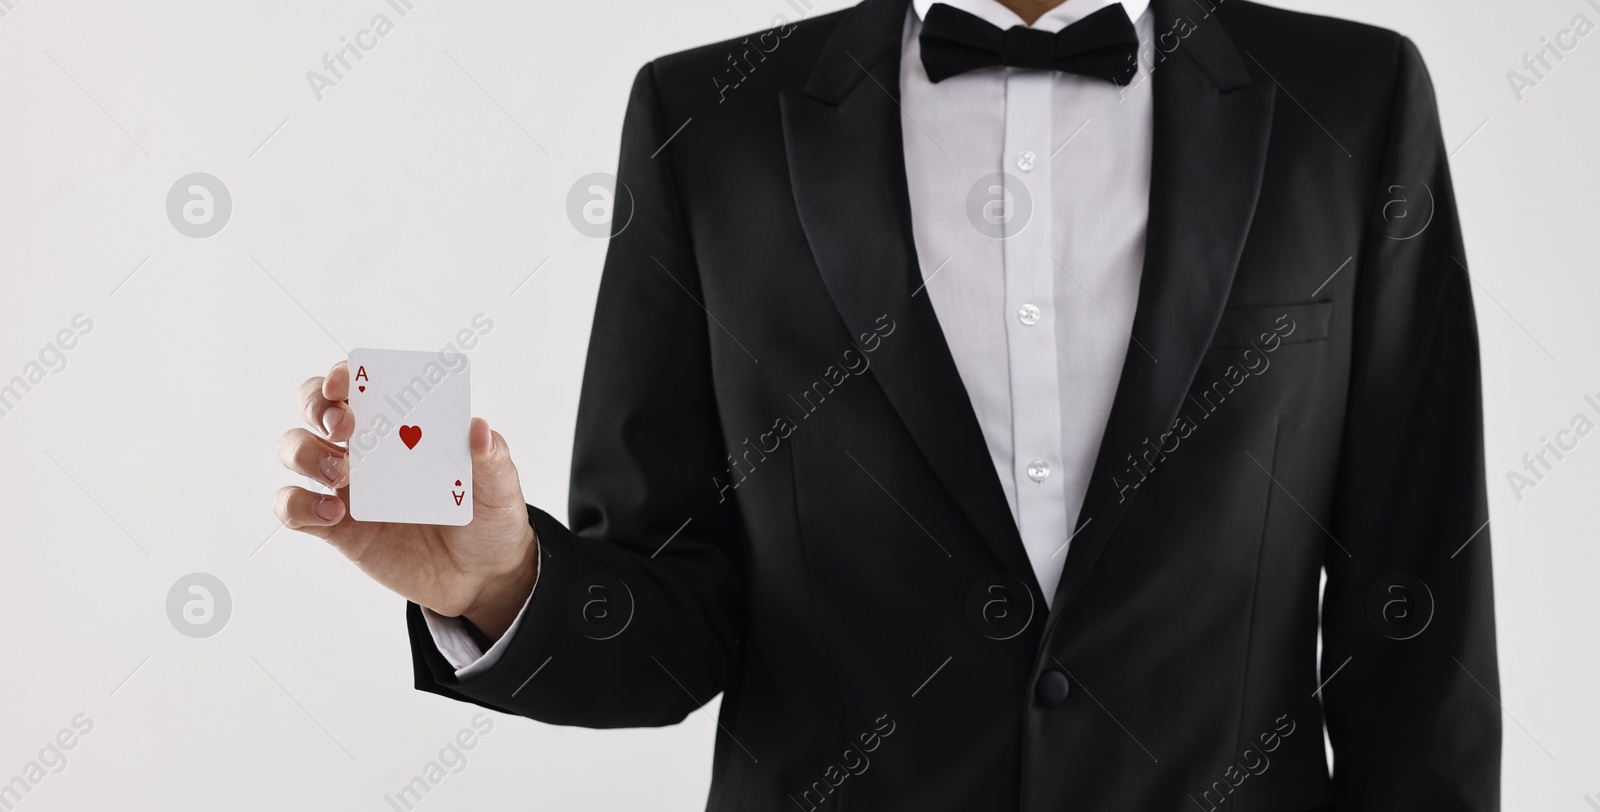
{"type": "Point", "coordinates": [1338, 43]}
{"type": "Point", "coordinates": [1313, 55]}
{"type": "Point", "coordinates": [1260, 19]}
{"type": "Point", "coordinates": [762, 63]}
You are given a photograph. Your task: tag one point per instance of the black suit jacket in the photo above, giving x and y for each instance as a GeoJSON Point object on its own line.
{"type": "Point", "coordinates": [780, 491]}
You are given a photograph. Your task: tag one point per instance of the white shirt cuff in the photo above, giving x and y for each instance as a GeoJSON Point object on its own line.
{"type": "Point", "coordinates": [456, 644]}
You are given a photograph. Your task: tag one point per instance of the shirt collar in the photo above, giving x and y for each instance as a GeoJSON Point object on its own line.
{"type": "Point", "coordinates": [992, 12]}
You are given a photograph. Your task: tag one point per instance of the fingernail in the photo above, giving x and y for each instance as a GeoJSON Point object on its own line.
{"type": "Point", "coordinates": [326, 509]}
{"type": "Point", "coordinates": [330, 469]}
{"type": "Point", "coordinates": [330, 419]}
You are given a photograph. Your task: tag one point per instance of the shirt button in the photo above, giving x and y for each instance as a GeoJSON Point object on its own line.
{"type": "Point", "coordinates": [1028, 315]}
{"type": "Point", "coordinates": [1025, 160]}
{"type": "Point", "coordinates": [1052, 688]}
{"type": "Point", "coordinates": [1038, 470]}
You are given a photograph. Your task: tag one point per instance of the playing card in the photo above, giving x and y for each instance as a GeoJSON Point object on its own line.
{"type": "Point", "coordinates": [410, 461]}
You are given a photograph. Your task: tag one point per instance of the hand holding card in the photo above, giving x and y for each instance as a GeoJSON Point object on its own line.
{"type": "Point", "coordinates": [409, 459]}
{"type": "Point", "coordinates": [426, 500]}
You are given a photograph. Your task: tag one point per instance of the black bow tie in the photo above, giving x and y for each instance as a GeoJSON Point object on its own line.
{"type": "Point", "coordinates": [1103, 45]}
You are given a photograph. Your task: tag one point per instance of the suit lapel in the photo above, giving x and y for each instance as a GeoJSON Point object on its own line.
{"type": "Point", "coordinates": [1212, 121]}
{"type": "Point", "coordinates": [847, 167]}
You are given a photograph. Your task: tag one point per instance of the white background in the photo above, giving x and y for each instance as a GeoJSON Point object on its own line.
{"type": "Point", "coordinates": [405, 202]}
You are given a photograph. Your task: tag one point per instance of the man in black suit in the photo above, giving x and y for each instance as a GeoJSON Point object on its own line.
{"type": "Point", "coordinates": [805, 472]}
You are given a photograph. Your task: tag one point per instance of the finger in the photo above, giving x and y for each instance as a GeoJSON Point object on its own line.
{"type": "Point", "coordinates": [480, 438]}
{"type": "Point", "coordinates": [309, 455]}
{"type": "Point", "coordinates": [336, 387]}
{"type": "Point", "coordinates": [494, 476]}
{"type": "Point", "coordinates": [308, 512]}
{"type": "Point", "coordinates": [325, 413]}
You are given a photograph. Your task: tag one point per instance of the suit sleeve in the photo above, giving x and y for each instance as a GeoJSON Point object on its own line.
{"type": "Point", "coordinates": [1412, 688]}
{"type": "Point", "coordinates": [639, 606]}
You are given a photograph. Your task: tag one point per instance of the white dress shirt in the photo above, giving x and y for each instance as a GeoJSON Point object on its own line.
{"type": "Point", "coordinates": [1035, 299]}
{"type": "Point", "coordinates": [1037, 310]}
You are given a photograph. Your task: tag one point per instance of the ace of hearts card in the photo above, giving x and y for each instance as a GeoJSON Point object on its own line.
{"type": "Point", "coordinates": [410, 458]}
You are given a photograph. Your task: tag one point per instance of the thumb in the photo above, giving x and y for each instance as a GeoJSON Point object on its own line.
{"type": "Point", "coordinates": [494, 476]}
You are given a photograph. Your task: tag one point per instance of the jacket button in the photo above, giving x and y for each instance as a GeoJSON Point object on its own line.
{"type": "Point", "coordinates": [1052, 688]}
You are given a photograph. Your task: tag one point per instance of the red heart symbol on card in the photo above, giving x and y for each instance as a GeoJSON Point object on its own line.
{"type": "Point", "coordinates": [411, 435]}
{"type": "Point", "coordinates": [361, 388]}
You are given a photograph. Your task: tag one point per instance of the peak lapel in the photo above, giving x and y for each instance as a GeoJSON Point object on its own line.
{"type": "Point", "coordinates": [847, 167]}
{"type": "Point", "coordinates": [1210, 142]}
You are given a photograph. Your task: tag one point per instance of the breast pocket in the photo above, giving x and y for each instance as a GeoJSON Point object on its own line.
{"type": "Point", "coordinates": [1260, 325]}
